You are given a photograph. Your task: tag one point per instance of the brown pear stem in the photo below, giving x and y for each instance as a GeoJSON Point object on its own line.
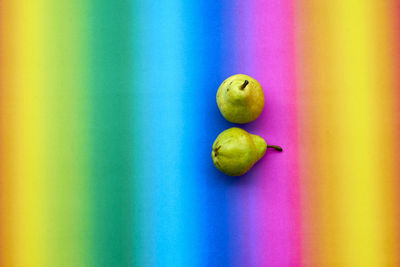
{"type": "Point", "coordinates": [275, 147]}
{"type": "Point", "coordinates": [246, 82]}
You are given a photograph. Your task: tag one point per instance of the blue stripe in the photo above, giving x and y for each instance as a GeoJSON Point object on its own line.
{"type": "Point", "coordinates": [184, 204]}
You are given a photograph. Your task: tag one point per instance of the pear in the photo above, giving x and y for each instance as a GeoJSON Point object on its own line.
{"type": "Point", "coordinates": [240, 99]}
{"type": "Point", "coordinates": [235, 151]}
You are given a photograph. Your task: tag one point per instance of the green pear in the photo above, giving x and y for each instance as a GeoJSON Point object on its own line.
{"type": "Point", "coordinates": [235, 151]}
{"type": "Point", "coordinates": [240, 99]}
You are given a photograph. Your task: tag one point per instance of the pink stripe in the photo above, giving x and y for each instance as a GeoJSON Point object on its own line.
{"type": "Point", "coordinates": [269, 200]}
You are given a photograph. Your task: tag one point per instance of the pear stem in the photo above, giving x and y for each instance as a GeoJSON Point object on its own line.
{"type": "Point", "coordinates": [246, 82]}
{"type": "Point", "coordinates": [275, 147]}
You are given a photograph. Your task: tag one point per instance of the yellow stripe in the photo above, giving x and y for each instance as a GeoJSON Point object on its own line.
{"type": "Point", "coordinates": [361, 170]}
{"type": "Point", "coordinates": [344, 85]}
{"type": "Point", "coordinates": [29, 238]}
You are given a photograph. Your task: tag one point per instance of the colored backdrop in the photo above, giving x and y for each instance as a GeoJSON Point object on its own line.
{"type": "Point", "coordinates": [108, 115]}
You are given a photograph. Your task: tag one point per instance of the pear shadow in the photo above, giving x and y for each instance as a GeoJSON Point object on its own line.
{"type": "Point", "coordinates": [243, 180]}
{"type": "Point", "coordinates": [232, 180]}
{"type": "Point", "coordinates": [253, 126]}
{"type": "Point", "coordinates": [254, 175]}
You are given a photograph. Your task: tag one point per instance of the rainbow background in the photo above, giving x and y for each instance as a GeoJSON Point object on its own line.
{"type": "Point", "coordinates": [108, 114]}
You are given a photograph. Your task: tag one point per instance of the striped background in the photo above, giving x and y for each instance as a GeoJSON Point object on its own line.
{"type": "Point", "coordinates": [108, 114]}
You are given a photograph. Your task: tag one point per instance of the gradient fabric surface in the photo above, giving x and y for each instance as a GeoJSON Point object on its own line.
{"type": "Point", "coordinates": [108, 115]}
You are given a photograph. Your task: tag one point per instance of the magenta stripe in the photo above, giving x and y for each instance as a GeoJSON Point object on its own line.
{"type": "Point", "coordinates": [272, 193]}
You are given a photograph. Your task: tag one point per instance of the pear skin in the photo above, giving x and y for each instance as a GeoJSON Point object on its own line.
{"type": "Point", "coordinates": [240, 99]}
{"type": "Point", "coordinates": [235, 151]}
{"type": "Point", "coordinates": [261, 145]}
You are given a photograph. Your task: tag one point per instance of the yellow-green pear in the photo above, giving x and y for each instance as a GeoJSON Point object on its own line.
{"type": "Point", "coordinates": [235, 151]}
{"type": "Point", "coordinates": [240, 99]}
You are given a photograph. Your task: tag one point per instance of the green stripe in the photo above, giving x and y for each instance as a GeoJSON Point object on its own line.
{"type": "Point", "coordinates": [111, 130]}
{"type": "Point", "coordinates": [67, 148]}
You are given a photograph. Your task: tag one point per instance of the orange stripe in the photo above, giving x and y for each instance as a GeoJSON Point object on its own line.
{"type": "Point", "coordinates": [316, 142]}
{"type": "Point", "coordinates": [7, 119]}
{"type": "Point", "coordinates": [389, 48]}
